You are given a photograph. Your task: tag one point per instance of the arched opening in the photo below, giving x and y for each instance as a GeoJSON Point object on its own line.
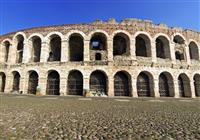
{"type": "Point", "coordinates": [179, 55]}
{"type": "Point", "coordinates": [122, 84]}
{"type": "Point", "coordinates": [166, 88]}
{"type": "Point", "coordinates": [16, 81]}
{"type": "Point", "coordinates": [36, 50]}
{"type": "Point", "coordinates": [53, 83]}
{"type": "Point", "coordinates": [197, 84]}
{"type": "Point", "coordinates": [162, 47]}
{"type": "Point", "coordinates": [6, 51]}
{"type": "Point", "coordinates": [98, 82]}
{"type": "Point", "coordinates": [75, 83]}
{"type": "Point", "coordinates": [121, 44]}
{"type": "Point", "coordinates": [20, 48]}
{"type": "Point", "coordinates": [55, 48]}
{"type": "Point", "coordinates": [33, 82]}
{"type": "Point", "coordinates": [194, 51]}
{"type": "Point", "coordinates": [178, 39]}
{"type": "Point", "coordinates": [98, 56]}
{"type": "Point", "coordinates": [2, 81]}
{"type": "Point", "coordinates": [76, 48]}
{"type": "Point", "coordinates": [143, 46]}
{"type": "Point", "coordinates": [184, 86]}
{"type": "Point", "coordinates": [144, 85]}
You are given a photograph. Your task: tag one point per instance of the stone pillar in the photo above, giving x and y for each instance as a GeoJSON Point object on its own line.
{"type": "Point", "coordinates": [156, 88]}
{"type": "Point", "coordinates": [25, 86]}
{"type": "Point", "coordinates": [192, 89]}
{"type": "Point", "coordinates": [132, 49]}
{"type": "Point", "coordinates": [134, 87]}
{"type": "Point", "coordinates": [86, 83]}
{"type": "Point", "coordinates": [110, 50]}
{"type": "Point", "coordinates": [176, 89]}
{"type": "Point", "coordinates": [110, 86]}
{"type": "Point", "coordinates": [153, 52]}
{"type": "Point", "coordinates": [26, 52]}
{"type": "Point", "coordinates": [63, 86]}
{"type": "Point", "coordinates": [12, 56]}
{"type": "Point", "coordinates": [172, 52]}
{"type": "Point", "coordinates": [2, 53]}
{"type": "Point", "coordinates": [187, 52]}
{"type": "Point", "coordinates": [86, 50]}
{"type": "Point", "coordinates": [42, 83]}
{"type": "Point", "coordinates": [64, 50]}
{"type": "Point", "coordinates": [22, 84]}
{"type": "Point", "coordinates": [8, 83]}
{"type": "Point", "coordinates": [44, 52]}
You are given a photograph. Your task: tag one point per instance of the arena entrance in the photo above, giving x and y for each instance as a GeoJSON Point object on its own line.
{"type": "Point", "coordinates": [197, 84]}
{"type": "Point", "coordinates": [33, 82]}
{"type": "Point", "coordinates": [2, 81]}
{"type": "Point", "coordinates": [184, 86]}
{"type": "Point", "coordinates": [53, 83]}
{"type": "Point", "coordinates": [16, 81]}
{"type": "Point", "coordinates": [75, 83]}
{"type": "Point", "coordinates": [98, 82]}
{"type": "Point", "coordinates": [121, 84]}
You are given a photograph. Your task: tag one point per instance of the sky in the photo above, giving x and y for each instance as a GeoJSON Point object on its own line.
{"type": "Point", "coordinates": [22, 14]}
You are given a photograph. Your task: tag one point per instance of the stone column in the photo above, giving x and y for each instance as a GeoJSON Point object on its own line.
{"type": "Point", "coordinates": [12, 54]}
{"type": "Point", "coordinates": [153, 52]}
{"type": "Point", "coordinates": [134, 87]}
{"type": "Point", "coordinates": [44, 52]}
{"type": "Point", "coordinates": [110, 86]}
{"type": "Point", "coordinates": [110, 49]}
{"type": "Point", "coordinates": [64, 50]}
{"type": "Point", "coordinates": [187, 52]}
{"type": "Point", "coordinates": [156, 88]}
{"type": "Point", "coordinates": [63, 86]}
{"type": "Point", "coordinates": [176, 89]}
{"type": "Point", "coordinates": [86, 50]}
{"type": "Point", "coordinates": [172, 52]}
{"type": "Point", "coordinates": [42, 83]}
{"type": "Point", "coordinates": [192, 89]}
{"type": "Point", "coordinates": [2, 53]}
{"type": "Point", "coordinates": [26, 52]}
{"type": "Point", "coordinates": [132, 49]}
{"type": "Point", "coordinates": [22, 84]}
{"type": "Point", "coordinates": [8, 83]}
{"type": "Point", "coordinates": [86, 83]}
{"type": "Point", "coordinates": [26, 82]}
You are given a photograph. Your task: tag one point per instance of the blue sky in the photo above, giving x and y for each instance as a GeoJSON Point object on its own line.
{"type": "Point", "coordinates": [21, 14]}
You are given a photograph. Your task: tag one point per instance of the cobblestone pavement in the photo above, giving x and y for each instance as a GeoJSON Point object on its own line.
{"type": "Point", "coordinates": [68, 118]}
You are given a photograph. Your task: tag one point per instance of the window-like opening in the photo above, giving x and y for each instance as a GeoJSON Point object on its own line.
{"type": "Point", "coordinates": [143, 85]}
{"type": "Point", "coordinates": [7, 47]}
{"type": "Point", "coordinates": [53, 83]}
{"type": "Point", "coordinates": [75, 83]}
{"type": "Point", "coordinates": [20, 47]}
{"type": "Point", "coordinates": [162, 47]}
{"type": "Point", "coordinates": [143, 47]}
{"type": "Point", "coordinates": [98, 82]}
{"type": "Point", "coordinates": [33, 82]}
{"type": "Point", "coordinates": [179, 40]}
{"type": "Point", "coordinates": [179, 55]}
{"type": "Point", "coordinates": [121, 84]}
{"type": "Point", "coordinates": [55, 49]}
{"type": "Point", "coordinates": [16, 81]}
{"type": "Point", "coordinates": [194, 52]}
{"type": "Point", "coordinates": [76, 48]}
{"type": "Point", "coordinates": [2, 81]}
{"type": "Point", "coordinates": [98, 42]}
{"type": "Point", "coordinates": [98, 56]}
{"type": "Point", "coordinates": [36, 42]}
{"type": "Point", "coordinates": [121, 44]}
{"type": "Point", "coordinates": [184, 86]}
{"type": "Point", "coordinates": [197, 84]}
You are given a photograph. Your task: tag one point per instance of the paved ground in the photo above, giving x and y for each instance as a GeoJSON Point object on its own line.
{"type": "Point", "coordinates": [68, 118]}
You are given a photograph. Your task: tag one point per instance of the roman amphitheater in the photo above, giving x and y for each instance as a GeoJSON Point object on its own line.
{"type": "Point", "coordinates": [134, 58]}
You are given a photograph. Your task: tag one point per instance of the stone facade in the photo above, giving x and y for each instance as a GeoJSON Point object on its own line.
{"type": "Point", "coordinates": [156, 60]}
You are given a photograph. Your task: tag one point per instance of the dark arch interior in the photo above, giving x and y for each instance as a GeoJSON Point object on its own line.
{"type": "Point", "coordinates": [143, 85]}
{"type": "Point", "coordinates": [143, 46]}
{"type": "Point", "coordinates": [184, 86]}
{"type": "Point", "coordinates": [36, 49]}
{"type": "Point", "coordinates": [7, 47]}
{"type": "Point", "coordinates": [98, 42]}
{"type": "Point", "coordinates": [53, 83]}
{"type": "Point", "coordinates": [197, 84]}
{"type": "Point", "coordinates": [179, 55]}
{"type": "Point", "coordinates": [179, 40]}
{"type": "Point", "coordinates": [120, 44]}
{"type": "Point", "coordinates": [55, 49]}
{"type": "Point", "coordinates": [33, 82]}
{"type": "Point", "coordinates": [98, 82]}
{"type": "Point", "coordinates": [121, 84]}
{"type": "Point", "coordinates": [16, 81]}
{"type": "Point", "coordinates": [75, 83]}
{"type": "Point", "coordinates": [162, 47]}
{"type": "Point", "coordinates": [2, 82]}
{"type": "Point", "coordinates": [194, 52]}
{"type": "Point", "coordinates": [76, 48]}
{"type": "Point", "coordinates": [20, 47]}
